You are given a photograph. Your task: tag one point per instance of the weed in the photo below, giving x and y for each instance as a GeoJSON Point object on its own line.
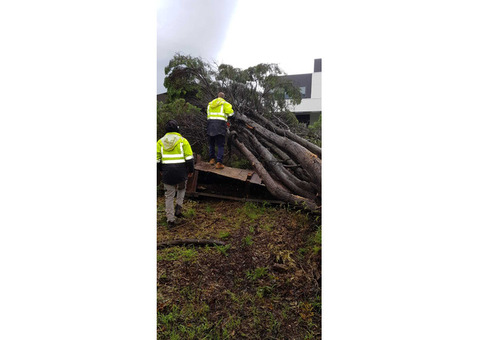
{"type": "Point", "coordinates": [247, 241]}
{"type": "Point", "coordinates": [223, 249]}
{"type": "Point", "coordinates": [233, 297]}
{"type": "Point", "coordinates": [257, 273]}
{"type": "Point", "coordinates": [267, 227]}
{"type": "Point", "coordinates": [188, 293]}
{"type": "Point", "coordinates": [273, 323]}
{"type": "Point", "coordinates": [252, 210]}
{"type": "Point", "coordinates": [317, 238]}
{"type": "Point", "coordinates": [317, 303]}
{"type": "Point", "coordinates": [190, 212]}
{"type": "Point", "coordinates": [264, 291]}
{"type": "Point", "coordinates": [224, 235]}
{"type": "Point", "coordinates": [302, 251]}
{"type": "Point", "coordinates": [209, 209]}
{"type": "Point", "coordinates": [170, 318]}
{"type": "Point", "coordinates": [251, 229]}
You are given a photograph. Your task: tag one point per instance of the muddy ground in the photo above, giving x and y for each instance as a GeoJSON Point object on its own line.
{"type": "Point", "coordinates": [263, 283]}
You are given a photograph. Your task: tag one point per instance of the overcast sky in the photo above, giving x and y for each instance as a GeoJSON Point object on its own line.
{"type": "Point", "coordinates": [240, 33]}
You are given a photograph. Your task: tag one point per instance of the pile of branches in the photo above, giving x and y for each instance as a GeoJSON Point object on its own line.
{"type": "Point", "coordinates": [262, 128]}
{"type": "Point", "coordinates": [289, 165]}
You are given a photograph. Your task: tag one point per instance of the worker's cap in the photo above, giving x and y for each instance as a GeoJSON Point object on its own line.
{"type": "Point", "coordinates": [172, 126]}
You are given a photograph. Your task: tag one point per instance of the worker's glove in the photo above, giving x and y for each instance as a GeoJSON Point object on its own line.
{"type": "Point", "coordinates": [228, 124]}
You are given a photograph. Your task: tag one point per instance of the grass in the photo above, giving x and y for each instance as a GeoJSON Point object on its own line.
{"type": "Point", "coordinates": [223, 235]}
{"type": "Point", "coordinates": [257, 273]}
{"type": "Point", "coordinates": [232, 291]}
{"type": "Point", "coordinates": [247, 241]}
{"type": "Point", "coordinates": [177, 253]}
{"type": "Point", "coordinates": [223, 249]}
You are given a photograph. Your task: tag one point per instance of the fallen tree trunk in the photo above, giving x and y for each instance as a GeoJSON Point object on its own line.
{"type": "Point", "coordinates": [282, 132]}
{"type": "Point", "coordinates": [189, 242]}
{"type": "Point", "coordinates": [272, 186]}
{"type": "Point", "coordinates": [310, 162]}
{"type": "Point", "coordinates": [287, 161]}
{"type": "Point", "coordinates": [294, 184]}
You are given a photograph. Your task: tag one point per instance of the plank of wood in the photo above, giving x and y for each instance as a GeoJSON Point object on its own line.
{"type": "Point", "coordinates": [240, 174]}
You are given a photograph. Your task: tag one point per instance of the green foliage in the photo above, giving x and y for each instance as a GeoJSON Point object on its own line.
{"type": "Point", "coordinates": [184, 113]}
{"type": "Point", "coordinates": [260, 88]}
{"type": "Point", "coordinates": [247, 241]}
{"type": "Point", "coordinates": [317, 125]}
{"type": "Point", "coordinates": [185, 76]}
{"type": "Point", "coordinates": [264, 291]}
{"type": "Point", "coordinates": [252, 210]}
{"type": "Point", "coordinates": [176, 253]}
{"type": "Point", "coordinates": [190, 212]}
{"type": "Point", "coordinates": [239, 162]}
{"type": "Point", "coordinates": [223, 249]}
{"type": "Point", "coordinates": [257, 273]}
{"type": "Point", "coordinates": [224, 235]}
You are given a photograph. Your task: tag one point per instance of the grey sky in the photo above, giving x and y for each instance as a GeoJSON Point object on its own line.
{"type": "Point", "coordinates": [190, 27]}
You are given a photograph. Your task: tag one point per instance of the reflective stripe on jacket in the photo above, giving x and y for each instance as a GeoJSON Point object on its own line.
{"type": "Point", "coordinates": [218, 111]}
{"type": "Point", "coordinates": [175, 158]}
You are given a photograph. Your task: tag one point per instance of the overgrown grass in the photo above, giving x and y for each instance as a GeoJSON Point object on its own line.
{"type": "Point", "coordinates": [177, 253]}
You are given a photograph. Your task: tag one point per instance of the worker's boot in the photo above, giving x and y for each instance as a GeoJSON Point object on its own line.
{"type": "Point", "coordinates": [219, 166]}
{"type": "Point", "coordinates": [171, 224]}
{"type": "Point", "coordinates": [212, 161]}
{"type": "Point", "coordinates": [178, 211]}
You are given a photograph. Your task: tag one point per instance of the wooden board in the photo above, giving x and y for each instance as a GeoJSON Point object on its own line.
{"type": "Point", "coordinates": [240, 174]}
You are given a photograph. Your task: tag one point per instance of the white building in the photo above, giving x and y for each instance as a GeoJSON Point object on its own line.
{"type": "Point", "coordinates": [310, 84]}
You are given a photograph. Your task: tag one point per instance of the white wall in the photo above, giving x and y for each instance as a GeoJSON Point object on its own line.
{"type": "Point", "coordinates": [315, 102]}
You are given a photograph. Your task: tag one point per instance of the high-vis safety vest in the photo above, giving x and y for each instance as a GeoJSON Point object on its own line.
{"type": "Point", "coordinates": [174, 158]}
{"type": "Point", "coordinates": [173, 149]}
{"type": "Point", "coordinates": [219, 109]}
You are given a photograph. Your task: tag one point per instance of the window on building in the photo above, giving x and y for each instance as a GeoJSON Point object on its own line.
{"type": "Point", "coordinates": [303, 92]}
{"type": "Point", "coordinates": [303, 119]}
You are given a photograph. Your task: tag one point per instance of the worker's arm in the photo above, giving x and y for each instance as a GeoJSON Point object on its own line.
{"type": "Point", "coordinates": [227, 109]}
{"type": "Point", "coordinates": [159, 156]}
{"type": "Point", "coordinates": [187, 149]}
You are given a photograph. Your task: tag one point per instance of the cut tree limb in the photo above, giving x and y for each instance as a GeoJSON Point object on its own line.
{"type": "Point", "coordinates": [307, 159]}
{"type": "Point", "coordinates": [294, 184]}
{"type": "Point", "coordinates": [272, 185]}
{"type": "Point", "coordinates": [189, 242]}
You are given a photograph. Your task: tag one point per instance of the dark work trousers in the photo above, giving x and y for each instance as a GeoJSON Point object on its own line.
{"type": "Point", "coordinates": [218, 140]}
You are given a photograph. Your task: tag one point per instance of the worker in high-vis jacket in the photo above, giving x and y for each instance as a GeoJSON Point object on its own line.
{"type": "Point", "coordinates": [218, 112]}
{"type": "Point", "coordinates": [175, 161]}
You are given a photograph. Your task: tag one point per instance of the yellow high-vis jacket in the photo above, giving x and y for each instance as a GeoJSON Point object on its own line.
{"type": "Point", "coordinates": [218, 111]}
{"type": "Point", "coordinates": [175, 158]}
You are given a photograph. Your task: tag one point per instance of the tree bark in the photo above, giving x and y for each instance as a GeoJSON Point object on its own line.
{"type": "Point", "coordinates": [296, 185]}
{"type": "Point", "coordinates": [282, 132]}
{"type": "Point", "coordinates": [189, 242]}
{"type": "Point", "coordinates": [270, 183]}
{"type": "Point", "coordinates": [299, 172]}
{"type": "Point", "coordinates": [308, 160]}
